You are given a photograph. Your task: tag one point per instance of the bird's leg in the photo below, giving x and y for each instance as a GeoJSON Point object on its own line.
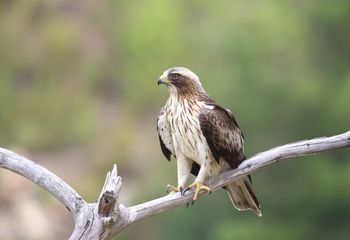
{"type": "Point", "coordinates": [198, 183]}
{"type": "Point", "coordinates": [183, 171]}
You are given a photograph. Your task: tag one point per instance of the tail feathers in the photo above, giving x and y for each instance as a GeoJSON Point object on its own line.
{"type": "Point", "coordinates": [242, 196]}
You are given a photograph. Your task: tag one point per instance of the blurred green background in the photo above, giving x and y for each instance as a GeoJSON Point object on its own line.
{"type": "Point", "coordinates": [78, 93]}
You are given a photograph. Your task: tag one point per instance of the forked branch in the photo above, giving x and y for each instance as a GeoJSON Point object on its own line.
{"type": "Point", "coordinates": [107, 217]}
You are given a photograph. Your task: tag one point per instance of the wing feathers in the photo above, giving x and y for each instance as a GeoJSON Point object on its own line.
{"type": "Point", "coordinates": [165, 150]}
{"type": "Point", "coordinates": [164, 133]}
{"type": "Point", "coordinates": [223, 134]}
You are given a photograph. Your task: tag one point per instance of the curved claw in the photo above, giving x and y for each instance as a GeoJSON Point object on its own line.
{"type": "Point", "coordinates": [180, 189]}
{"type": "Point", "coordinates": [184, 190]}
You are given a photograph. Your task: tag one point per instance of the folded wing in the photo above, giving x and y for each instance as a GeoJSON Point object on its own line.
{"type": "Point", "coordinates": [164, 133]}
{"type": "Point", "coordinates": [222, 133]}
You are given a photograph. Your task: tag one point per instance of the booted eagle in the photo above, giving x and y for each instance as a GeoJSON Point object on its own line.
{"type": "Point", "coordinates": [203, 136]}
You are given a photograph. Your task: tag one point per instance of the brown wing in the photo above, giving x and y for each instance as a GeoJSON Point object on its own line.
{"type": "Point", "coordinates": [223, 134]}
{"type": "Point", "coordinates": [164, 133]}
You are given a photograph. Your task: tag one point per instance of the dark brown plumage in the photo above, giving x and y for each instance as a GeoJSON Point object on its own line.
{"type": "Point", "coordinates": [220, 128]}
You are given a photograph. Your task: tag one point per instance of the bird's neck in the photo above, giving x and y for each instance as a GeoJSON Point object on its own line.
{"type": "Point", "coordinates": [200, 95]}
{"type": "Point", "coordinates": [177, 105]}
{"type": "Point", "coordinates": [177, 102]}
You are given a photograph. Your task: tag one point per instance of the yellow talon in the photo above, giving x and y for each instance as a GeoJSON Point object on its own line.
{"type": "Point", "coordinates": [172, 189]}
{"type": "Point", "coordinates": [199, 186]}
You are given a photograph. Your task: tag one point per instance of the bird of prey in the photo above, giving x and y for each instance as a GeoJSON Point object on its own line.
{"type": "Point", "coordinates": [203, 136]}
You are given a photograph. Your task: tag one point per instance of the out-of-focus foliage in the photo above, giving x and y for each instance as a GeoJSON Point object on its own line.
{"type": "Point", "coordinates": [78, 93]}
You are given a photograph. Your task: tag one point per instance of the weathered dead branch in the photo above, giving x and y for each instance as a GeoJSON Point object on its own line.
{"type": "Point", "coordinates": [107, 217]}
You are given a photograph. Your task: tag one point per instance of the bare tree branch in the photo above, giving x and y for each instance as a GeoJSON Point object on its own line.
{"type": "Point", "coordinates": [43, 178]}
{"type": "Point", "coordinates": [291, 150]}
{"type": "Point", "coordinates": [107, 217]}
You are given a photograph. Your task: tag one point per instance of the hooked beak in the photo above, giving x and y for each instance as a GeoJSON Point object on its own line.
{"type": "Point", "coordinates": [163, 79]}
{"type": "Point", "coordinates": [160, 81]}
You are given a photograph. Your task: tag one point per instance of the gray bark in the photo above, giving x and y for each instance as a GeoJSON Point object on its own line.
{"type": "Point", "coordinates": [107, 217]}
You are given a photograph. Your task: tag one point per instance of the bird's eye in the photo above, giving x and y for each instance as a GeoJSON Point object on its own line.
{"type": "Point", "coordinates": [176, 76]}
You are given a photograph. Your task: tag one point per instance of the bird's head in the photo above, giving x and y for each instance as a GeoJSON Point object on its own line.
{"type": "Point", "coordinates": [181, 80]}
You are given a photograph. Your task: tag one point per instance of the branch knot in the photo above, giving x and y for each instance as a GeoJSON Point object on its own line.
{"type": "Point", "coordinates": [106, 204]}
